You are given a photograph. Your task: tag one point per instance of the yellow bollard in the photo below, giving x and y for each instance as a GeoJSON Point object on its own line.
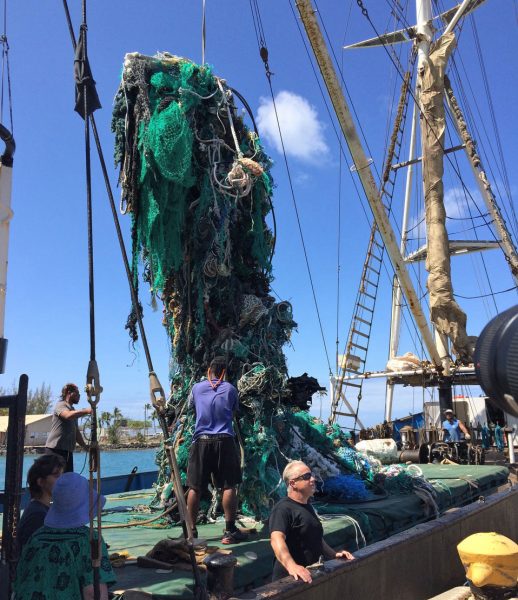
{"type": "Point", "coordinates": [490, 559]}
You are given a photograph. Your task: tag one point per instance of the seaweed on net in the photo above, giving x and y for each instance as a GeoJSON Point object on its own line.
{"type": "Point", "coordinates": [198, 186]}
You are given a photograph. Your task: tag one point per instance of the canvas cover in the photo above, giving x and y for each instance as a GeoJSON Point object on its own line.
{"type": "Point", "coordinates": [446, 314]}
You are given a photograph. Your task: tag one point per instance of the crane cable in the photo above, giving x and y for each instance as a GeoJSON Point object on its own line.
{"type": "Point", "coordinates": [263, 51]}
{"type": "Point", "coordinates": [503, 172]}
{"type": "Point", "coordinates": [156, 390]}
{"type": "Point", "coordinates": [6, 73]}
{"type": "Point", "coordinates": [84, 105]}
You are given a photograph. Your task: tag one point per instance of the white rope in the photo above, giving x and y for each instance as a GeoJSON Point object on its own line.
{"type": "Point", "coordinates": [230, 120]}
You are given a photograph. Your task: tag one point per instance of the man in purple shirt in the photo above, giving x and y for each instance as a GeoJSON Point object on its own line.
{"type": "Point", "coordinates": [213, 454]}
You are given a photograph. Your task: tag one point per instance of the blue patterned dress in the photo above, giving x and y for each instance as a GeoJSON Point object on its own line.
{"type": "Point", "coordinates": [56, 565]}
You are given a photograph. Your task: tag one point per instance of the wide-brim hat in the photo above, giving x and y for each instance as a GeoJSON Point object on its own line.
{"type": "Point", "coordinates": [70, 502]}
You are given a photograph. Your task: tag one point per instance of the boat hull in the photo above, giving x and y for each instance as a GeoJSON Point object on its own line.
{"type": "Point", "coordinates": [413, 565]}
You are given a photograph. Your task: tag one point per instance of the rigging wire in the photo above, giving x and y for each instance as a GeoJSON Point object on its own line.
{"type": "Point", "coordinates": [484, 266]}
{"type": "Point", "coordinates": [474, 127]}
{"type": "Point", "coordinates": [354, 182]}
{"type": "Point", "coordinates": [447, 156]}
{"type": "Point", "coordinates": [339, 218]}
{"type": "Point", "coordinates": [93, 388]}
{"type": "Point", "coordinates": [498, 139]}
{"type": "Point", "coordinates": [6, 72]}
{"type": "Point", "coordinates": [203, 32]}
{"type": "Point", "coordinates": [392, 75]}
{"type": "Point", "coordinates": [473, 123]}
{"type": "Point", "coordinates": [397, 64]}
{"type": "Point", "coordinates": [338, 266]}
{"type": "Point", "coordinates": [511, 289]}
{"type": "Point", "coordinates": [346, 89]}
{"type": "Point", "coordinates": [412, 325]}
{"type": "Point", "coordinates": [263, 51]}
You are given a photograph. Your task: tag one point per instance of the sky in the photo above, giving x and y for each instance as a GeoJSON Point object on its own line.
{"type": "Point", "coordinates": [47, 295]}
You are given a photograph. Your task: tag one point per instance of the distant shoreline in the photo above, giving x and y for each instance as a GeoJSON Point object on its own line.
{"type": "Point", "coordinates": [103, 447]}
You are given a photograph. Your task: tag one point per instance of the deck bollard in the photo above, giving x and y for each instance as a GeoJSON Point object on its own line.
{"type": "Point", "coordinates": [220, 575]}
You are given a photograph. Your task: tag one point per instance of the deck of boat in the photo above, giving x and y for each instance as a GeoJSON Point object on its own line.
{"type": "Point", "coordinates": [345, 525]}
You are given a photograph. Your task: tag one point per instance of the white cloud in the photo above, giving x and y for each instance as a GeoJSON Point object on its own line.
{"type": "Point", "coordinates": [455, 202]}
{"type": "Point", "coordinates": [301, 178]}
{"type": "Point", "coordinates": [302, 131]}
{"type": "Point", "coordinates": [456, 206]}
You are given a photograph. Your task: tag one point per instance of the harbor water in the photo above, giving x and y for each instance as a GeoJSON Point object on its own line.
{"type": "Point", "coordinates": [113, 462]}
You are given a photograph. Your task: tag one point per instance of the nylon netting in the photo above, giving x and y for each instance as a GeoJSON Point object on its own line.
{"type": "Point", "coordinates": [198, 186]}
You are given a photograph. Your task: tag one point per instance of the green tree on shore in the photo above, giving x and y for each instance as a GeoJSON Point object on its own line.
{"type": "Point", "coordinates": [114, 428]}
{"type": "Point", "coordinates": [39, 401]}
{"type": "Point", "coordinates": [146, 408]}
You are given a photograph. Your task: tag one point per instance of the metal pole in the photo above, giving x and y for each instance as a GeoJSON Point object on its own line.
{"type": "Point", "coordinates": [6, 214]}
{"type": "Point", "coordinates": [395, 324]}
{"type": "Point", "coordinates": [423, 9]}
{"type": "Point", "coordinates": [408, 372]}
{"type": "Point", "coordinates": [362, 165]}
{"type": "Point", "coordinates": [460, 12]}
{"type": "Point", "coordinates": [425, 33]}
{"type": "Point", "coordinates": [510, 445]}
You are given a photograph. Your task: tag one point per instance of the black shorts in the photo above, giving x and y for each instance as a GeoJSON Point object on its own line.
{"type": "Point", "coordinates": [214, 460]}
{"type": "Point", "coordinates": [68, 456]}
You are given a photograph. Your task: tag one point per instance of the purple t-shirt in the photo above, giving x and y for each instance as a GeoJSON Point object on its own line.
{"type": "Point", "coordinates": [214, 408]}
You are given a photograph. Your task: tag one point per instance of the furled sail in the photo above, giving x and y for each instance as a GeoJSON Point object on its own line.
{"type": "Point", "coordinates": [446, 314]}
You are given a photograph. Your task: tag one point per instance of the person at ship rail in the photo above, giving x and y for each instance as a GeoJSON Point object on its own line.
{"type": "Point", "coordinates": [452, 427]}
{"type": "Point", "coordinates": [41, 478]}
{"type": "Point", "coordinates": [296, 533]}
{"type": "Point", "coordinates": [213, 454]}
{"type": "Point", "coordinates": [64, 432]}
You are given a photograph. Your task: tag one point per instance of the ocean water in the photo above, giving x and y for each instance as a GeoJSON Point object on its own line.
{"type": "Point", "coordinates": [113, 462]}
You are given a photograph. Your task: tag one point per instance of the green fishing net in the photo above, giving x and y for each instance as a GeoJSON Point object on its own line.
{"type": "Point", "coordinates": [197, 184]}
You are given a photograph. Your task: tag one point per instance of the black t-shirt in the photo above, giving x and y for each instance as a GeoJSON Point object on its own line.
{"type": "Point", "coordinates": [32, 519]}
{"type": "Point", "coordinates": [304, 533]}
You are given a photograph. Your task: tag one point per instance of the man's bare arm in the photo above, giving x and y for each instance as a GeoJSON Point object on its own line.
{"type": "Point", "coordinates": [330, 553]}
{"type": "Point", "coordinates": [463, 428]}
{"type": "Point", "coordinates": [74, 414]}
{"type": "Point", "coordinates": [282, 554]}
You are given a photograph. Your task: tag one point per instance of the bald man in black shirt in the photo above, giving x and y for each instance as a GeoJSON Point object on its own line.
{"type": "Point", "coordinates": [296, 534]}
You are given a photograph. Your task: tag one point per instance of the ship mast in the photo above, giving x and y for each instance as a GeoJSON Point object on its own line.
{"type": "Point", "coordinates": [362, 164]}
{"type": "Point", "coordinates": [424, 34]}
{"type": "Point", "coordinates": [432, 94]}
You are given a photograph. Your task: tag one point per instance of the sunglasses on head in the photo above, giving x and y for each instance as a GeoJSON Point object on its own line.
{"type": "Point", "coordinates": [306, 477]}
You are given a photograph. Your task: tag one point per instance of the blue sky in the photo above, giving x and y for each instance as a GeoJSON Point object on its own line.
{"type": "Point", "coordinates": [47, 298]}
